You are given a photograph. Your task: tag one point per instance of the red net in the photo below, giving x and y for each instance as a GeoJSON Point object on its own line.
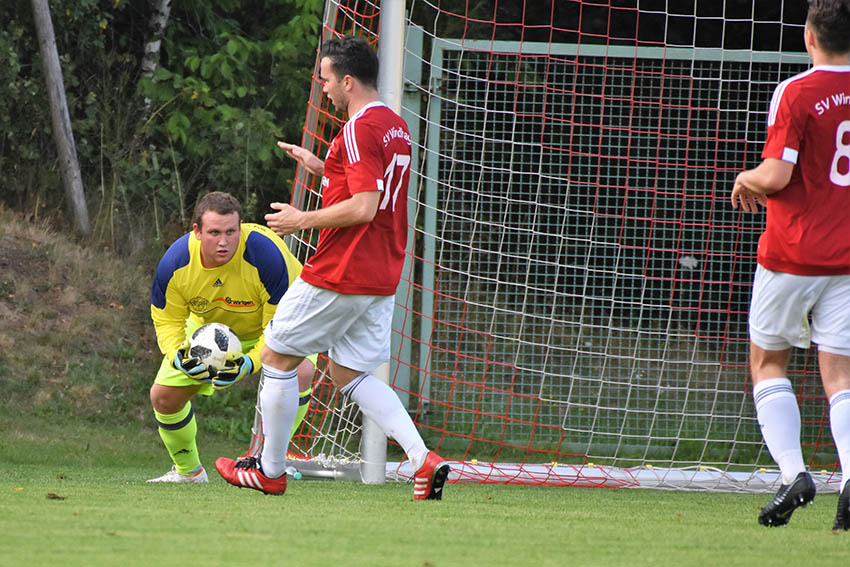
{"type": "Point", "coordinates": [574, 308]}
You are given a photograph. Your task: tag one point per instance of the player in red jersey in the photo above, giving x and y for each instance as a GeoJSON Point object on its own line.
{"type": "Point", "coordinates": [804, 255]}
{"type": "Point", "coordinates": [343, 301]}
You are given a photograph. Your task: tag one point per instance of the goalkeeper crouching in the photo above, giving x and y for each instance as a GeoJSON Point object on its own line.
{"type": "Point", "coordinates": [223, 271]}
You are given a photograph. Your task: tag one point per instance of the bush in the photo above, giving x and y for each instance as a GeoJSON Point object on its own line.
{"type": "Point", "coordinates": [232, 78]}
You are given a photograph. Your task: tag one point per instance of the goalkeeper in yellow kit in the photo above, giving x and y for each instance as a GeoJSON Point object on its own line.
{"type": "Point", "coordinates": [224, 271]}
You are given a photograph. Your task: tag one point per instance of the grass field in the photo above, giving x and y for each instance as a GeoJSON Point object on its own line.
{"type": "Point", "coordinates": [77, 444]}
{"type": "Point", "coordinates": [73, 494]}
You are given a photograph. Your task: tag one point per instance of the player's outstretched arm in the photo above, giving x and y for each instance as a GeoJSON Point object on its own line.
{"type": "Point", "coordinates": [360, 208]}
{"type": "Point", "coordinates": [305, 157]}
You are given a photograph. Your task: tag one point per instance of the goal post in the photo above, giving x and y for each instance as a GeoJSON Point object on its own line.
{"type": "Point", "coordinates": [390, 72]}
{"type": "Point", "coordinates": [573, 308]}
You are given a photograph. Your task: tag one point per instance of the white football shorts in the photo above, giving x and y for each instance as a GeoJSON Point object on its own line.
{"type": "Point", "coordinates": [780, 308]}
{"type": "Point", "coordinates": [353, 329]}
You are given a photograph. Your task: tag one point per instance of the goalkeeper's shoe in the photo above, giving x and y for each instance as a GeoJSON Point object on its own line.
{"type": "Point", "coordinates": [246, 472]}
{"type": "Point", "coordinates": [428, 481]}
{"type": "Point", "coordinates": [174, 476]}
{"type": "Point", "coordinates": [842, 516]}
{"type": "Point", "coordinates": [787, 499]}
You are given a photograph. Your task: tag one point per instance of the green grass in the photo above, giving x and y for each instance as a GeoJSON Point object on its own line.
{"type": "Point", "coordinates": [73, 493]}
{"type": "Point", "coordinates": [77, 443]}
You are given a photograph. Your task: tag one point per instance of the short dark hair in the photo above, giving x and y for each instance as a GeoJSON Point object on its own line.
{"type": "Point", "coordinates": [218, 202]}
{"type": "Point", "coordinates": [830, 21]}
{"type": "Point", "coordinates": [353, 56]}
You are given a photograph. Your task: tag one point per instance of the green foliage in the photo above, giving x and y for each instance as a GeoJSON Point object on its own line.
{"type": "Point", "coordinates": [24, 133]}
{"type": "Point", "coordinates": [232, 78]}
{"type": "Point", "coordinates": [28, 167]}
{"type": "Point", "coordinates": [220, 99]}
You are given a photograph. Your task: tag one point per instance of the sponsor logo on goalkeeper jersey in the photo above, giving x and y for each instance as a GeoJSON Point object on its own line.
{"type": "Point", "coordinates": [218, 282]}
{"type": "Point", "coordinates": [198, 304]}
{"type": "Point", "coordinates": [230, 302]}
{"type": "Point", "coordinates": [202, 305]}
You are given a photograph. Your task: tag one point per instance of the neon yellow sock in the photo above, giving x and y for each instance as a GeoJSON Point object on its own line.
{"type": "Point", "coordinates": [303, 406]}
{"type": "Point", "coordinates": [178, 432]}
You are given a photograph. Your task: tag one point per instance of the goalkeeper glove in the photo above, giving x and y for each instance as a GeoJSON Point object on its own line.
{"type": "Point", "coordinates": [191, 366]}
{"type": "Point", "coordinates": [233, 371]}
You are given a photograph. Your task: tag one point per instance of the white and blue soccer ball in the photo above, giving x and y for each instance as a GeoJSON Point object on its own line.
{"type": "Point", "coordinates": [214, 344]}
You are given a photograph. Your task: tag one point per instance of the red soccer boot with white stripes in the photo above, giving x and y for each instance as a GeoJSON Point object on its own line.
{"type": "Point", "coordinates": [246, 472]}
{"type": "Point", "coordinates": [428, 481]}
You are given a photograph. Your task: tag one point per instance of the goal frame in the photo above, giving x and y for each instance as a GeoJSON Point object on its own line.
{"type": "Point", "coordinates": [398, 40]}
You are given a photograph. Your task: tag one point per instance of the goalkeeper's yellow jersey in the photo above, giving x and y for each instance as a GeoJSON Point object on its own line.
{"type": "Point", "coordinates": [242, 294]}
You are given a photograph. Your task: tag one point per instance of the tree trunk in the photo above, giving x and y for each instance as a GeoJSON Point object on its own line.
{"type": "Point", "coordinates": [61, 121]}
{"type": "Point", "coordinates": [159, 20]}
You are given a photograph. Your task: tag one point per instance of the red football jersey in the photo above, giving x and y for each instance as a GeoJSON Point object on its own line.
{"type": "Point", "coordinates": [371, 153]}
{"type": "Point", "coordinates": [808, 222]}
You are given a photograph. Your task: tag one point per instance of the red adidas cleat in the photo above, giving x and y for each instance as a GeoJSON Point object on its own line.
{"type": "Point", "coordinates": [246, 472]}
{"type": "Point", "coordinates": [428, 481]}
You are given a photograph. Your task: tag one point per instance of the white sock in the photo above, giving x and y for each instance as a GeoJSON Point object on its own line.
{"type": "Point", "coordinates": [379, 403]}
{"type": "Point", "coordinates": [839, 423]}
{"type": "Point", "coordinates": [779, 418]}
{"type": "Point", "coordinates": [279, 404]}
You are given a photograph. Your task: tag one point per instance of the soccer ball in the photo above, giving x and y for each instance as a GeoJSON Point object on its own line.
{"type": "Point", "coordinates": [214, 344]}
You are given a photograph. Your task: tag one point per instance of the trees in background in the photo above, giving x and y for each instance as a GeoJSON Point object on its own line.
{"type": "Point", "coordinates": [60, 121]}
{"type": "Point", "coordinates": [231, 78]}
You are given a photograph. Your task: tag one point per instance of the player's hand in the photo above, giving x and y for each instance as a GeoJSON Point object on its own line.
{"type": "Point", "coordinates": [191, 366]}
{"type": "Point", "coordinates": [305, 157]}
{"type": "Point", "coordinates": [748, 199]}
{"type": "Point", "coordinates": [286, 220]}
{"type": "Point", "coordinates": [233, 371]}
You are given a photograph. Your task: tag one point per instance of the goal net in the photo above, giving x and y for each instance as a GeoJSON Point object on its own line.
{"type": "Point", "coordinates": [574, 306]}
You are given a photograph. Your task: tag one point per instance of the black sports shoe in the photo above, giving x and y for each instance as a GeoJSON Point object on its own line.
{"type": "Point", "coordinates": [787, 499]}
{"type": "Point", "coordinates": [842, 516]}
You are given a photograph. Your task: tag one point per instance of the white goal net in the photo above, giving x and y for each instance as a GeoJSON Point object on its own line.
{"type": "Point", "coordinates": [574, 306]}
